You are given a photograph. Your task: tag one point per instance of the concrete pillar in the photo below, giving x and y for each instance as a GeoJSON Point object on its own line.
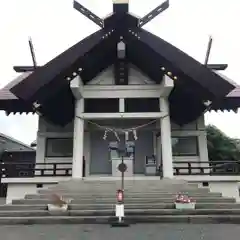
{"type": "Point", "coordinates": [166, 141]}
{"type": "Point", "coordinates": [87, 152]}
{"type": "Point", "coordinates": [158, 145]}
{"type": "Point", "coordinates": [202, 144]}
{"type": "Point", "coordinates": [122, 105]}
{"type": "Point", "coordinates": [41, 148]}
{"type": "Point", "coordinates": [41, 141]}
{"type": "Point", "coordinates": [78, 141]}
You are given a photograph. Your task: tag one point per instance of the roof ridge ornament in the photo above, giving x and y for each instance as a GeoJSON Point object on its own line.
{"type": "Point", "coordinates": [212, 66]}
{"type": "Point", "coordinates": [121, 6]}
{"type": "Point", "coordinates": [120, 1]}
{"type": "Point", "coordinates": [89, 14]}
{"type": "Point", "coordinates": [154, 13]}
{"type": "Point", "coordinates": [21, 69]}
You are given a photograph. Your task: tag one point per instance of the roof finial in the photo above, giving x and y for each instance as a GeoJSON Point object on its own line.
{"type": "Point", "coordinates": [120, 1]}
{"type": "Point", "coordinates": [120, 6]}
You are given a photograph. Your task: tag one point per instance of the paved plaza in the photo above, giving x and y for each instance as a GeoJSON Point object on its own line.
{"type": "Point", "coordinates": [135, 232]}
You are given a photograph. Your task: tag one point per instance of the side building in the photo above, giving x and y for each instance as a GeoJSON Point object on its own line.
{"type": "Point", "coordinates": [14, 151]}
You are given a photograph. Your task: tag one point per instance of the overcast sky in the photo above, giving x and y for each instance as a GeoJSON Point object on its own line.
{"type": "Point", "coordinates": [55, 26]}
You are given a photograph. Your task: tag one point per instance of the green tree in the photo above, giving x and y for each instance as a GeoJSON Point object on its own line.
{"type": "Point", "coordinates": [220, 146]}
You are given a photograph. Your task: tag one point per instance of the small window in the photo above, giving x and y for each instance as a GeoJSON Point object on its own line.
{"type": "Point", "coordinates": [56, 147]}
{"type": "Point", "coordinates": [185, 146]}
{"type": "Point", "coordinates": [141, 105]}
{"type": "Point", "coordinates": [205, 184]}
{"type": "Point", "coordinates": [101, 105]}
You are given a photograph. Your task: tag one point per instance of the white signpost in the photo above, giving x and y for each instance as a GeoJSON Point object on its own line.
{"type": "Point", "coordinates": [119, 212]}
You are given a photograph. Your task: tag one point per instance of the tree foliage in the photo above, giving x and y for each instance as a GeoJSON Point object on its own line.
{"type": "Point", "coordinates": [220, 146]}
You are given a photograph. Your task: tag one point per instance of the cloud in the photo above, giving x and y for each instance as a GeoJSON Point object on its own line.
{"type": "Point", "coordinates": [21, 127]}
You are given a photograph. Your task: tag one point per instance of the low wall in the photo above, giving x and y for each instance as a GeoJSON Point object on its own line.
{"type": "Point", "coordinates": [228, 186]}
{"type": "Point", "coordinates": [19, 187]}
{"type": "Point", "coordinates": [228, 189]}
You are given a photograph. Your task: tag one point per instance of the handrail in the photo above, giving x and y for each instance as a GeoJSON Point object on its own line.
{"type": "Point", "coordinates": [26, 170]}
{"type": "Point", "coordinates": [29, 169]}
{"type": "Point", "coordinates": [206, 168]}
{"type": "Point", "coordinates": [29, 163]}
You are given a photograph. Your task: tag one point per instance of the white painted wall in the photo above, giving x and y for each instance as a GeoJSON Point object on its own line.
{"type": "Point", "coordinates": [228, 186]}
{"type": "Point", "coordinates": [47, 130]}
{"type": "Point", "coordinates": [102, 86]}
{"type": "Point", "coordinates": [136, 77]}
{"type": "Point", "coordinates": [194, 129]}
{"type": "Point", "coordinates": [228, 189]}
{"type": "Point", "coordinates": [19, 187]}
{"type": "Point", "coordinates": [198, 129]}
{"type": "Point", "coordinates": [18, 191]}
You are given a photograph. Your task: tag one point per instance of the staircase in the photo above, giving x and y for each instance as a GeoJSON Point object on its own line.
{"type": "Point", "coordinates": [145, 201]}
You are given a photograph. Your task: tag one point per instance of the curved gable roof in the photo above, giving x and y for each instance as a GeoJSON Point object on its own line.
{"type": "Point", "coordinates": [49, 85]}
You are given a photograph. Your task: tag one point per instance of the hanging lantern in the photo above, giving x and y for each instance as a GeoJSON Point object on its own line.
{"type": "Point", "coordinates": [135, 135]}
{"type": "Point", "coordinates": [105, 135]}
{"type": "Point", "coordinates": [126, 136]}
{"type": "Point", "coordinates": [120, 196]}
{"type": "Point", "coordinates": [116, 135]}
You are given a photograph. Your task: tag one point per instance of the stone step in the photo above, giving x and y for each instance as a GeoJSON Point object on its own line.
{"type": "Point", "coordinates": [129, 200]}
{"type": "Point", "coordinates": [126, 190]}
{"type": "Point", "coordinates": [130, 195]}
{"type": "Point", "coordinates": [198, 219]}
{"type": "Point", "coordinates": [145, 185]}
{"type": "Point", "coordinates": [87, 206]}
{"type": "Point", "coordinates": [111, 212]}
{"type": "Point", "coordinates": [10, 207]}
{"type": "Point", "coordinates": [145, 181]}
{"type": "Point", "coordinates": [153, 206]}
{"type": "Point", "coordinates": [110, 191]}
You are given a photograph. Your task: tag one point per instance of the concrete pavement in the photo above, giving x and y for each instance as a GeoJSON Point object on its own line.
{"type": "Point", "coordinates": [134, 232]}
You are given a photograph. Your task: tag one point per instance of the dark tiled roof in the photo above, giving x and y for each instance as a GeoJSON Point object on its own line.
{"type": "Point", "coordinates": [8, 138]}
{"type": "Point", "coordinates": [226, 78]}
{"type": "Point", "coordinates": [5, 93]}
{"type": "Point", "coordinates": [235, 92]}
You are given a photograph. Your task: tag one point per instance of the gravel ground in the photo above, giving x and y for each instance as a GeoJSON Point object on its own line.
{"type": "Point", "coordinates": [134, 232]}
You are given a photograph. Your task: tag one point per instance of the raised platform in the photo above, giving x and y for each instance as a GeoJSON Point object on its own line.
{"type": "Point", "coordinates": [145, 201]}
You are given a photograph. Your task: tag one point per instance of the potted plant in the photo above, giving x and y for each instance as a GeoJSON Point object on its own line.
{"type": "Point", "coordinates": [58, 204]}
{"type": "Point", "coordinates": [183, 201]}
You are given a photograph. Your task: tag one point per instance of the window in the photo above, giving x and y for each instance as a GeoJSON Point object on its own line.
{"type": "Point", "coordinates": [101, 105]}
{"type": "Point", "coordinates": [185, 146]}
{"type": "Point", "coordinates": [56, 147]}
{"type": "Point", "coordinates": [141, 104]}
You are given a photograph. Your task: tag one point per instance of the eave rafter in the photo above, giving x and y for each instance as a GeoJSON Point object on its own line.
{"type": "Point", "coordinates": [62, 69]}
{"type": "Point", "coordinates": [184, 65]}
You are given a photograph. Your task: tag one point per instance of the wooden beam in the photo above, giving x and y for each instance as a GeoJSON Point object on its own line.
{"type": "Point", "coordinates": [145, 115]}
